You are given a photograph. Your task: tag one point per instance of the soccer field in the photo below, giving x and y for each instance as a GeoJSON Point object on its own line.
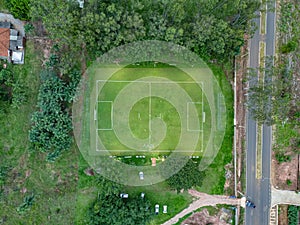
{"type": "Point", "coordinates": [151, 109]}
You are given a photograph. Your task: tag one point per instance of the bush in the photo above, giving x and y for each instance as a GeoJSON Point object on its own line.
{"type": "Point", "coordinates": [293, 215]}
{"type": "Point", "coordinates": [19, 8]}
{"type": "Point", "coordinates": [289, 182]}
{"type": "Point", "coordinates": [289, 47]}
{"type": "Point", "coordinates": [26, 205]}
{"type": "Point", "coordinates": [281, 157]}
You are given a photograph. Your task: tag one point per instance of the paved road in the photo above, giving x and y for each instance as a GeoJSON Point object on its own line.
{"type": "Point", "coordinates": [259, 190]}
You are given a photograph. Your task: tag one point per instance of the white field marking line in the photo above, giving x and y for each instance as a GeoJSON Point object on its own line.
{"type": "Point", "coordinates": [190, 130]}
{"type": "Point", "coordinates": [202, 135]}
{"type": "Point", "coordinates": [96, 123]}
{"type": "Point", "coordinates": [111, 113]}
{"type": "Point", "coordinates": [152, 151]}
{"type": "Point", "coordinates": [96, 139]}
{"type": "Point", "coordinates": [154, 82]}
{"type": "Point", "coordinates": [150, 116]}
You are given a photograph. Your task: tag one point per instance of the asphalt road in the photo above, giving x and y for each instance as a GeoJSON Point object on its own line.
{"type": "Point", "coordinates": [259, 190]}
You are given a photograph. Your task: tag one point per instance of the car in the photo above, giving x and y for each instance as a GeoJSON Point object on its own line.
{"type": "Point", "coordinates": [156, 209]}
{"type": "Point", "coordinates": [165, 209]}
{"type": "Point", "coordinates": [141, 174]}
{"type": "Point", "coordinates": [142, 195]}
{"type": "Point", "coordinates": [250, 204]}
{"type": "Point", "coordinates": [124, 195]}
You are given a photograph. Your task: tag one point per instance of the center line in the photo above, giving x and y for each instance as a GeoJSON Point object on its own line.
{"type": "Point", "coordinates": [150, 116]}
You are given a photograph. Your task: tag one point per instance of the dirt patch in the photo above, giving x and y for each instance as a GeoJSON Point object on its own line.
{"type": "Point", "coordinates": [229, 183]}
{"type": "Point", "coordinates": [241, 65]}
{"type": "Point", "coordinates": [285, 175]}
{"type": "Point", "coordinates": [44, 46]}
{"type": "Point", "coordinates": [283, 215]}
{"type": "Point", "coordinates": [203, 218]}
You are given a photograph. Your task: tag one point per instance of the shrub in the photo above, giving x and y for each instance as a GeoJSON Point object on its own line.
{"type": "Point", "coordinates": [289, 47]}
{"type": "Point", "coordinates": [27, 203]}
{"type": "Point", "coordinates": [293, 215]}
{"type": "Point", "coordinates": [19, 8]}
{"type": "Point", "coordinates": [281, 157]}
{"type": "Point", "coordinates": [289, 182]}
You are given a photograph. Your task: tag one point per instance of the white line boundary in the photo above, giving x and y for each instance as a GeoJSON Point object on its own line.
{"type": "Point", "coordinates": [202, 120]}
{"type": "Point", "coordinates": [187, 117]}
{"type": "Point", "coordinates": [149, 81]}
{"type": "Point", "coordinates": [150, 116]}
{"type": "Point", "coordinates": [111, 114]}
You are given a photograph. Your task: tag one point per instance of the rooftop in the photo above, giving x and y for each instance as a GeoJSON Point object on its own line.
{"type": "Point", "coordinates": [4, 41]}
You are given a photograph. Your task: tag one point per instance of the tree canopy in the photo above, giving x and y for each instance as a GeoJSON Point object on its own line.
{"type": "Point", "coordinates": [51, 123]}
{"type": "Point", "coordinates": [213, 29]}
{"type": "Point", "coordinates": [110, 208]}
{"type": "Point", "coordinates": [188, 177]}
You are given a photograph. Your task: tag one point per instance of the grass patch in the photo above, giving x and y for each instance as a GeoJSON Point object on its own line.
{"type": "Point", "coordinates": [263, 22]}
{"type": "Point", "coordinates": [53, 185]}
{"type": "Point", "coordinates": [259, 151]}
{"type": "Point", "coordinates": [2, 6]}
{"type": "Point", "coordinates": [153, 110]}
{"type": "Point", "coordinates": [161, 194]}
{"type": "Point", "coordinates": [214, 180]}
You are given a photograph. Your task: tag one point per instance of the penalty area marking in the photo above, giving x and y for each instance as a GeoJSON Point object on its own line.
{"type": "Point", "coordinates": [111, 115]}
{"type": "Point", "coordinates": [150, 110]}
{"type": "Point", "coordinates": [187, 117]}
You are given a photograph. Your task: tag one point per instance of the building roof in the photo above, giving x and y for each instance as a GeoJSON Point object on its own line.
{"type": "Point", "coordinates": [4, 41]}
{"type": "Point", "coordinates": [4, 24]}
{"type": "Point", "coordinates": [17, 57]}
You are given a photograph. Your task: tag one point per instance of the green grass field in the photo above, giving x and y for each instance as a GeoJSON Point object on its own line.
{"type": "Point", "coordinates": [152, 107]}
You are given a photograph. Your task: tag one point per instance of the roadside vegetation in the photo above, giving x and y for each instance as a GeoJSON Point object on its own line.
{"type": "Point", "coordinates": [276, 101]}
{"type": "Point", "coordinates": [18, 8]}
{"type": "Point", "coordinates": [42, 176]}
{"type": "Point", "coordinates": [293, 215]}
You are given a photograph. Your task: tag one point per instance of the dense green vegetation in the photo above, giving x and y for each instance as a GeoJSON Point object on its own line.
{"type": "Point", "coordinates": [189, 176]}
{"type": "Point", "coordinates": [213, 29]}
{"type": "Point", "coordinates": [52, 125]}
{"type": "Point", "coordinates": [110, 208]}
{"type": "Point", "coordinates": [276, 100]}
{"type": "Point", "coordinates": [293, 214]}
{"type": "Point", "coordinates": [12, 91]}
{"type": "Point", "coordinates": [18, 8]}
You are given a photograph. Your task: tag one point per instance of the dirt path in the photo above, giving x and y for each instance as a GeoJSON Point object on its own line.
{"type": "Point", "coordinates": [203, 200]}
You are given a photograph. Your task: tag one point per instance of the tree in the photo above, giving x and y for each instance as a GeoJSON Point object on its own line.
{"type": "Point", "coordinates": [188, 177]}
{"type": "Point", "coordinates": [289, 47]}
{"type": "Point", "coordinates": [19, 8]}
{"type": "Point", "coordinates": [269, 101]}
{"type": "Point", "coordinates": [51, 124]}
{"type": "Point", "coordinates": [110, 208]}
